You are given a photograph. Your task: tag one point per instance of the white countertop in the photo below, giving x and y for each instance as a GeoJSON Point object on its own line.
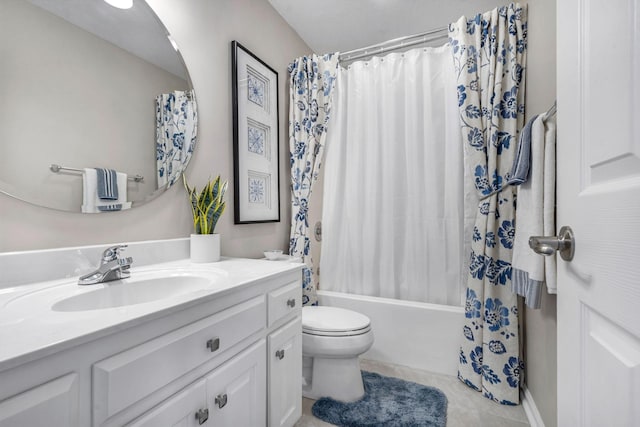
{"type": "Point", "coordinates": [30, 329]}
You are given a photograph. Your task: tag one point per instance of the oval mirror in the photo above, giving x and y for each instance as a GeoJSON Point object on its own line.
{"type": "Point", "coordinates": [96, 105]}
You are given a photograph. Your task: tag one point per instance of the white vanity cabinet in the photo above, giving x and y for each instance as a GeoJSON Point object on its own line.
{"type": "Point", "coordinates": [186, 408]}
{"type": "Point", "coordinates": [139, 372]}
{"type": "Point", "coordinates": [285, 374]}
{"type": "Point", "coordinates": [285, 355]}
{"type": "Point", "coordinates": [236, 392]}
{"type": "Point", "coordinates": [54, 403]}
{"type": "Point", "coordinates": [229, 359]}
{"type": "Point", "coordinates": [232, 395]}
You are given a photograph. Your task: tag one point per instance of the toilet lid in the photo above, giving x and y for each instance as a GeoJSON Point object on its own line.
{"type": "Point", "coordinates": [333, 320]}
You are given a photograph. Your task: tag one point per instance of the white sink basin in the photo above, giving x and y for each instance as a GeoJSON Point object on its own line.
{"type": "Point", "coordinates": [120, 293]}
{"type": "Point", "coordinates": [142, 287]}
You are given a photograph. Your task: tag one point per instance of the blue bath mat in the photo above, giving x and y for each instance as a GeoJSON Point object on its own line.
{"type": "Point", "coordinates": [388, 402]}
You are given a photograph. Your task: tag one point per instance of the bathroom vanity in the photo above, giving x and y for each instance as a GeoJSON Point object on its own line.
{"type": "Point", "coordinates": [226, 351]}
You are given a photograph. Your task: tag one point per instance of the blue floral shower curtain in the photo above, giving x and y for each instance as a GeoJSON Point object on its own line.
{"type": "Point", "coordinates": [176, 130]}
{"type": "Point", "coordinates": [490, 58]}
{"type": "Point", "coordinates": [312, 79]}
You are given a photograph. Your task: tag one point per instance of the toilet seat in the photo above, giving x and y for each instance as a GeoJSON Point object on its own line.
{"type": "Point", "coordinates": [335, 333]}
{"type": "Point", "coordinates": [333, 322]}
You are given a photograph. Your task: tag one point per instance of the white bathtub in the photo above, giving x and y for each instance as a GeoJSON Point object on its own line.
{"type": "Point", "coordinates": [415, 334]}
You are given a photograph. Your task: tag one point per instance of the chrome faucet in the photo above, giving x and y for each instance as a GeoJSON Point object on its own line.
{"type": "Point", "coordinates": [111, 267]}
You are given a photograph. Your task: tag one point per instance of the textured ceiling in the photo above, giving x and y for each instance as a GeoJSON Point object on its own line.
{"type": "Point", "coordinates": [342, 25]}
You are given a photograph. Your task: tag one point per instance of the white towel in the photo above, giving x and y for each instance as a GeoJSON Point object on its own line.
{"type": "Point", "coordinates": [549, 201]}
{"type": "Point", "coordinates": [535, 217]}
{"type": "Point", "coordinates": [90, 200]}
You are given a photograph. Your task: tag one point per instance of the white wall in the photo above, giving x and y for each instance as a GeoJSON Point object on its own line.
{"type": "Point", "coordinates": [204, 30]}
{"type": "Point", "coordinates": [73, 99]}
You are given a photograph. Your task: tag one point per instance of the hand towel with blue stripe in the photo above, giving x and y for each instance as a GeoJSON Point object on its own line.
{"type": "Point", "coordinates": [109, 208]}
{"type": "Point", "coordinates": [522, 160]}
{"type": "Point", "coordinates": [107, 184]}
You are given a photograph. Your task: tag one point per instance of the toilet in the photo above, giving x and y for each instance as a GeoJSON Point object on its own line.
{"type": "Point", "coordinates": [332, 340]}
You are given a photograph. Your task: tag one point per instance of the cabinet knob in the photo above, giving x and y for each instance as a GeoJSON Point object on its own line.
{"type": "Point", "coordinates": [221, 400]}
{"type": "Point", "coordinates": [213, 344]}
{"type": "Point", "coordinates": [291, 302]}
{"type": "Point", "coordinates": [280, 354]}
{"type": "Point", "coordinates": [202, 416]}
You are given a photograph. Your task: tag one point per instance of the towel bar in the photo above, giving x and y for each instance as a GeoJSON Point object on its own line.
{"type": "Point", "coordinates": [57, 168]}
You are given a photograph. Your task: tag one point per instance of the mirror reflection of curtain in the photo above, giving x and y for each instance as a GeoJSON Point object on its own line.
{"type": "Point", "coordinates": [176, 130]}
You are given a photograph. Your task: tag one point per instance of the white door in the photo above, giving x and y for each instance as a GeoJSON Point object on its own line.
{"type": "Point", "coordinates": [599, 197]}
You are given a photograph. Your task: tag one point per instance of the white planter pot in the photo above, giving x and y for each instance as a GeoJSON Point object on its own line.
{"type": "Point", "coordinates": [205, 247]}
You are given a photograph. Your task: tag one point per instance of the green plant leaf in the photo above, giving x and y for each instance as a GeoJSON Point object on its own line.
{"type": "Point", "coordinates": [208, 205]}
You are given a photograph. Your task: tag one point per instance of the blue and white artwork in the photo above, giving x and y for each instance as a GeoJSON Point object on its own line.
{"type": "Point", "coordinates": [256, 89]}
{"type": "Point", "coordinates": [257, 190]}
{"type": "Point", "coordinates": [256, 140]}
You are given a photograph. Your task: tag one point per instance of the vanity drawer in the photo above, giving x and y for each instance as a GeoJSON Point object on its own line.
{"type": "Point", "coordinates": [54, 403]}
{"type": "Point", "coordinates": [127, 377]}
{"type": "Point", "coordinates": [284, 300]}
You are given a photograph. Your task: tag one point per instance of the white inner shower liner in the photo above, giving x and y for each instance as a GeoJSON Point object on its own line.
{"type": "Point", "coordinates": [395, 205]}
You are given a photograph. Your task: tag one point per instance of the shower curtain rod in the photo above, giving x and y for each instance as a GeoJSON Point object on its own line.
{"type": "Point", "coordinates": [398, 43]}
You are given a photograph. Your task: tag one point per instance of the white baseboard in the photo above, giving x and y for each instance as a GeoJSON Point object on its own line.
{"type": "Point", "coordinates": [530, 408]}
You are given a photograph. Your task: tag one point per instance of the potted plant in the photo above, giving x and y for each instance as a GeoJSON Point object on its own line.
{"type": "Point", "coordinates": [206, 206]}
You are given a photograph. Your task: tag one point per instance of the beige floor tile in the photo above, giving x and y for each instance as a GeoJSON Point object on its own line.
{"type": "Point", "coordinates": [466, 407]}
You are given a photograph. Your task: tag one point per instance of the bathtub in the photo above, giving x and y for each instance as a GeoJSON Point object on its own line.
{"type": "Point", "coordinates": [415, 334]}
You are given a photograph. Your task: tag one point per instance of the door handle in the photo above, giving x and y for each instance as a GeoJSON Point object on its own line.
{"type": "Point", "coordinates": [564, 243]}
{"type": "Point", "coordinates": [291, 302]}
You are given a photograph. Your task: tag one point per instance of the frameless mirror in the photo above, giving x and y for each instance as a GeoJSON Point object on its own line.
{"type": "Point", "coordinates": [88, 85]}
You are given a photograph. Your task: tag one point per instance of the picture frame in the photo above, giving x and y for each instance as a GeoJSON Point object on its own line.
{"type": "Point", "coordinates": [256, 145]}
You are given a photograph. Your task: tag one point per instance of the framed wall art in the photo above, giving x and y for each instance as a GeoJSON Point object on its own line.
{"type": "Point", "coordinates": [255, 138]}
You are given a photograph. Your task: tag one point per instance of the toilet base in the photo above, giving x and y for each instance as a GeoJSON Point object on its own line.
{"type": "Point", "coordinates": [339, 379]}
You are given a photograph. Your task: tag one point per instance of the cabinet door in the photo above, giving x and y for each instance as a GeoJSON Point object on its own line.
{"type": "Point", "coordinates": [285, 374]}
{"type": "Point", "coordinates": [51, 404]}
{"type": "Point", "coordinates": [236, 391]}
{"type": "Point", "coordinates": [187, 408]}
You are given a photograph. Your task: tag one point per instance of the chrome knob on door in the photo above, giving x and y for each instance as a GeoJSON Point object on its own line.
{"type": "Point", "coordinates": [213, 344]}
{"type": "Point", "coordinates": [221, 400]}
{"type": "Point", "coordinates": [291, 302]}
{"type": "Point", "coordinates": [280, 354]}
{"type": "Point", "coordinates": [547, 245]}
{"type": "Point", "coordinates": [202, 416]}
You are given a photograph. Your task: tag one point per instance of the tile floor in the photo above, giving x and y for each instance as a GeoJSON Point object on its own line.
{"type": "Point", "coordinates": [466, 407]}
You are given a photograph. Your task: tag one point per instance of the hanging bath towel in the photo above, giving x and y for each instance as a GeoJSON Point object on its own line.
{"type": "Point", "coordinates": [535, 217]}
{"type": "Point", "coordinates": [92, 203]}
